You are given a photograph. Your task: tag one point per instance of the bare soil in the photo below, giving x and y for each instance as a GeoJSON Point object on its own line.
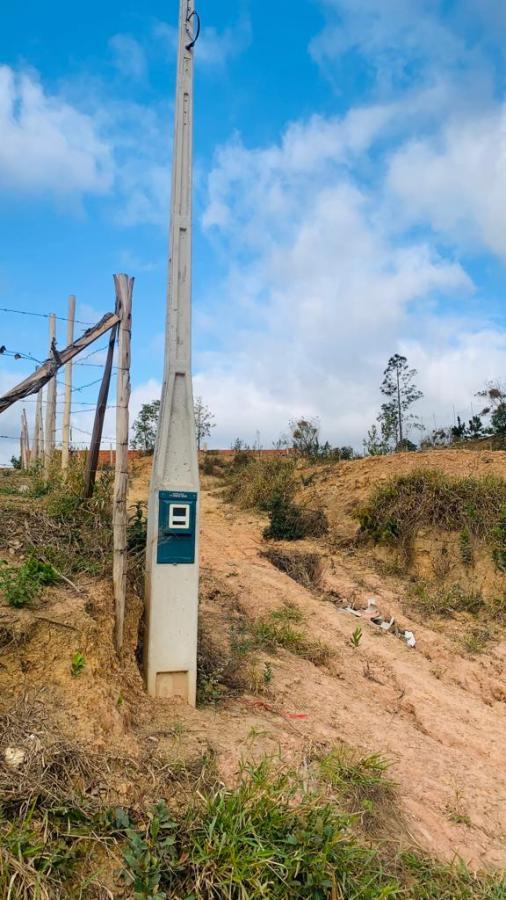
{"type": "Point", "coordinates": [439, 714]}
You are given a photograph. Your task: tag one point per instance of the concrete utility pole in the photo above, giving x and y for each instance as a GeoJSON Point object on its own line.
{"type": "Point", "coordinates": [68, 388]}
{"type": "Point", "coordinates": [172, 575]}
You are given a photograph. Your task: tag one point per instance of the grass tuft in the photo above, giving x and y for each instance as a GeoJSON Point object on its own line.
{"type": "Point", "coordinates": [263, 480]}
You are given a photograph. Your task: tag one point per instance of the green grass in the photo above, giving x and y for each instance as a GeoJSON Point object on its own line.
{"type": "Point", "coordinates": [267, 837]}
{"type": "Point", "coordinates": [277, 630]}
{"type": "Point", "coordinates": [361, 783]}
{"type": "Point", "coordinates": [276, 834]}
{"type": "Point", "coordinates": [445, 602]}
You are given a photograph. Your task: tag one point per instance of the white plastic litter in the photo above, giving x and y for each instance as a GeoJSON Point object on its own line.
{"type": "Point", "coordinates": [410, 638]}
{"type": "Point", "coordinates": [386, 626]}
{"type": "Point", "coordinates": [14, 757]}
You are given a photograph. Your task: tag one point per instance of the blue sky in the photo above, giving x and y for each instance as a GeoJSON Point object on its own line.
{"type": "Point", "coordinates": [350, 186]}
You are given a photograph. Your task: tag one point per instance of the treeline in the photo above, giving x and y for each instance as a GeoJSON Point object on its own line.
{"type": "Point", "coordinates": [397, 427]}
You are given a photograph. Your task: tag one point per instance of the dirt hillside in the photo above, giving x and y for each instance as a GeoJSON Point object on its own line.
{"type": "Point", "coordinates": [439, 714]}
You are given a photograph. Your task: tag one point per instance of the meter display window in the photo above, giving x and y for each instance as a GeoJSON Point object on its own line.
{"type": "Point", "coordinates": [179, 516]}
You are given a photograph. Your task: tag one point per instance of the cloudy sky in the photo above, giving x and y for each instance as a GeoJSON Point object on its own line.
{"type": "Point", "coordinates": [350, 200]}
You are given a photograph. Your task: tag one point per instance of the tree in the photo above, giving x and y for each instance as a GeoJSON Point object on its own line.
{"type": "Point", "coordinates": [401, 392]}
{"type": "Point", "coordinates": [146, 426]}
{"type": "Point", "coordinates": [459, 431]}
{"type": "Point", "coordinates": [476, 428]}
{"type": "Point", "coordinates": [498, 419]}
{"type": "Point", "coordinates": [305, 436]}
{"type": "Point", "coordinates": [494, 396]}
{"type": "Point", "coordinates": [374, 444]}
{"type": "Point", "coordinates": [203, 420]}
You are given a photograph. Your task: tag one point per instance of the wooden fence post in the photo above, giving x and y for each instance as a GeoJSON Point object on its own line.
{"type": "Point", "coordinates": [26, 441]}
{"type": "Point", "coordinates": [98, 424]}
{"type": "Point", "coordinates": [38, 431]}
{"type": "Point", "coordinates": [124, 289]}
{"type": "Point", "coordinates": [22, 444]}
{"type": "Point", "coordinates": [50, 402]}
{"type": "Point", "coordinates": [68, 387]}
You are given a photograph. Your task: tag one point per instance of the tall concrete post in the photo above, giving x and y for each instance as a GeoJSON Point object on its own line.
{"type": "Point", "coordinates": [172, 574]}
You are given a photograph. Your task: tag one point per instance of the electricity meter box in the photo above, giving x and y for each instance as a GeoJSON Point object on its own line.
{"type": "Point", "coordinates": [177, 519]}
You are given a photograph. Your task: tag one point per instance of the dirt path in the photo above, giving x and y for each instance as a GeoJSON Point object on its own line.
{"type": "Point", "coordinates": [439, 716]}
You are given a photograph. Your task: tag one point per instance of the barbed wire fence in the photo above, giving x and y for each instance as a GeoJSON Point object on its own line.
{"type": "Point", "coordinates": [83, 402]}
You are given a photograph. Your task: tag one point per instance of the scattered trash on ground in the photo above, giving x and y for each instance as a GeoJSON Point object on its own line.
{"type": "Point", "coordinates": [373, 615]}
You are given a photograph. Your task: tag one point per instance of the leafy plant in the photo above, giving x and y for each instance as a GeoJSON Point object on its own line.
{"type": "Point", "coordinates": [356, 637]}
{"type": "Point", "coordinates": [21, 585]}
{"type": "Point", "coordinates": [466, 549]}
{"type": "Point", "coordinates": [78, 663]}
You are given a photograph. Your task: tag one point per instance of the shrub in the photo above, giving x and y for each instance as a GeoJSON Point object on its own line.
{"type": "Point", "coordinates": [290, 522]}
{"type": "Point", "coordinates": [73, 534]}
{"type": "Point", "coordinates": [398, 509]}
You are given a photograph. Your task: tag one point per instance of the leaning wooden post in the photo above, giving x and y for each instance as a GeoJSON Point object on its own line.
{"type": "Point", "coordinates": [124, 288]}
{"type": "Point", "coordinates": [98, 424]}
{"type": "Point", "coordinates": [68, 387]}
{"type": "Point", "coordinates": [50, 402]}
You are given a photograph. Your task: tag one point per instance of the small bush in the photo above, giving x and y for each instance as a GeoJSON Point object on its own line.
{"type": "Point", "coordinates": [22, 585]}
{"type": "Point", "coordinates": [476, 640]}
{"type": "Point", "coordinates": [290, 522]}
{"type": "Point", "coordinates": [73, 534]}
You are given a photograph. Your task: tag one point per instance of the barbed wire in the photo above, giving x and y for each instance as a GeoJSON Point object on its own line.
{"type": "Point", "coordinates": [25, 312]}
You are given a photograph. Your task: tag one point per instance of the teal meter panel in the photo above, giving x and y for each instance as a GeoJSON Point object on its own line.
{"type": "Point", "coordinates": [177, 518]}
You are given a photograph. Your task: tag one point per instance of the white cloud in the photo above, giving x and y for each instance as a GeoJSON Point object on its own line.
{"type": "Point", "coordinates": [128, 56]}
{"type": "Point", "coordinates": [455, 181]}
{"type": "Point", "coordinates": [400, 39]}
{"type": "Point", "coordinates": [323, 287]}
{"type": "Point", "coordinates": [47, 144]}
